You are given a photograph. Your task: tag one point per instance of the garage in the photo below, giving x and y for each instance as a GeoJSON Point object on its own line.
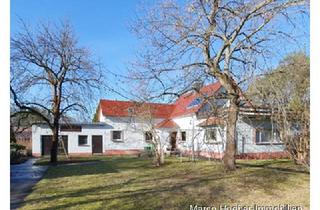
{"type": "Point", "coordinates": [80, 139]}
{"type": "Point", "coordinates": [46, 142]}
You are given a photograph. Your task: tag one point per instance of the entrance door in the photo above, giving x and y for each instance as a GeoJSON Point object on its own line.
{"type": "Point", "coordinates": [46, 144]}
{"type": "Point", "coordinates": [96, 144]}
{"type": "Point", "coordinates": [173, 140]}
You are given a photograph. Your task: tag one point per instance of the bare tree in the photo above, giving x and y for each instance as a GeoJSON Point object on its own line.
{"type": "Point", "coordinates": [20, 121]}
{"type": "Point", "coordinates": [143, 120]}
{"type": "Point", "coordinates": [52, 75]}
{"type": "Point", "coordinates": [206, 40]}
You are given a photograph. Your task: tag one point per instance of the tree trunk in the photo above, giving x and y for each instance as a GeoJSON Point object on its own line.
{"type": "Point", "coordinates": [158, 153]}
{"type": "Point", "coordinates": [230, 151]}
{"type": "Point", "coordinates": [158, 156]}
{"type": "Point", "coordinates": [54, 147]}
{"type": "Point", "coordinates": [12, 135]}
{"type": "Point", "coordinates": [161, 156]}
{"type": "Point", "coordinates": [157, 159]}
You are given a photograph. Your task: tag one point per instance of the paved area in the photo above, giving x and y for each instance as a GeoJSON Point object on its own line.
{"type": "Point", "coordinates": [22, 178]}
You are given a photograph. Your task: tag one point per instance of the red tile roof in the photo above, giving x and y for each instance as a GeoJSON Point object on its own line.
{"type": "Point", "coordinates": [181, 105]}
{"type": "Point", "coordinates": [122, 108]}
{"type": "Point", "coordinates": [158, 110]}
{"type": "Point", "coordinates": [167, 123]}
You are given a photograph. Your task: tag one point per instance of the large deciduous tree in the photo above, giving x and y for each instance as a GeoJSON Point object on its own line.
{"type": "Point", "coordinates": [51, 74]}
{"type": "Point", "coordinates": [285, 90]}
{"type": "Point", "coordinates": [216, 39]}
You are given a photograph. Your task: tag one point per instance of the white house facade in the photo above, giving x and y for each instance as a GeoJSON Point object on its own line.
{"type": "Point", "coordinates": [181, 127]}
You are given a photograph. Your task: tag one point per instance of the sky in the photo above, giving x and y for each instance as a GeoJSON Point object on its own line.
{"type": "Point", "coordinates": [103, 26]}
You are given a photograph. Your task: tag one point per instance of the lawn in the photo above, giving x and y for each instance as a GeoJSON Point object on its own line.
{"type": "Point", "coordinates": [133, 183]}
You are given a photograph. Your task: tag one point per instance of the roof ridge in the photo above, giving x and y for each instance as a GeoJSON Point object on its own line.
{"type": "Point", "coordinates": [136, 101]}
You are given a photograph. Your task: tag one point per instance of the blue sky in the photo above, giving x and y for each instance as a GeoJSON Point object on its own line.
{"type": "Point", "coordinates": [103, 26]}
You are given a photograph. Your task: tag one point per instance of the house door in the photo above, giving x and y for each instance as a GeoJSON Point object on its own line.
{"type": "Point", "coordinates": [173, 140]}
{"type": "Point", "coordinates": [46, 144]}
{"type": "Point", "coordinates": [96, 144]}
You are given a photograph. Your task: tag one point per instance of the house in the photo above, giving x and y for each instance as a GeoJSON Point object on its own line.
{"type": "Point", "coordinates": [187, 126]}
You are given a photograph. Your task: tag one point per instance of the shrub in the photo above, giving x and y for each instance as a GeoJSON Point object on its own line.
{"type": "Point", "coordinates": [17, 154]}
{"type": "Point", "coordinates": [17, 147]}
{"type": "Point", "coordinates": [148, 150]}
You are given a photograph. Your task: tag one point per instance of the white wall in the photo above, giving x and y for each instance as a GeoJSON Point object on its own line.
{"type": "Point", "coordinates": [133, 133]}
{"type": "Point", "coordinates": [245, 133]}
{"type": "Point", "coordinates": [73, 147]}
{"type": "Point", "coordinates": [36, 140]}
{"type": "Point", "coordinates": [246, 137]}
{"type": "Point", "coordinates": [196, 135]}
{"type": "Point", "coordinates": [134, 136]}
{"type": "Point", "coordinates": [187, 123]}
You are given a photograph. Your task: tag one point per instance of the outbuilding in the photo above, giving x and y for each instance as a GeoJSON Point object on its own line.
{"type": "Point", "coordinates": [78, 139]}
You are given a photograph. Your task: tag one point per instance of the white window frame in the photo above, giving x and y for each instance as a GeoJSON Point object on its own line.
{"type": "Point", "coordinates": [184, 135]}
{"type": "Point", "coordinates": [145, 136]}
{"type": "Point", "coordinates": [273, 139]}
{"type": "Point", "coordinates": [86, 144]}
{"type": "Point", "coordinates": [211, 140]}
{"type": "Point", "coordinates": [121, 136]}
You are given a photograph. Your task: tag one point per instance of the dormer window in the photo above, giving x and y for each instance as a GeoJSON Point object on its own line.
{"type": "Point", "coordinates": [195, 102]}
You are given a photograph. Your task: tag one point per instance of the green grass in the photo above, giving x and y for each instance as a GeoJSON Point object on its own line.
{"type": "Point", "coordinates": [133, 183]}
{"type": "Point", "coordinates": [64, 160]}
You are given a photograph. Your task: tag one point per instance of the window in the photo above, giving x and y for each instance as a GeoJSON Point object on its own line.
{"type": "Point", "coordinates": [82, 140]}
{"type": "Point", "coordinates": [195, 102]}
{"type": "Point", "coordinates": [148, 136]}
{"type": "Point", "coordinates": [266, 136]}
{"type": "Point", "coordinates": [116, 135]}
{"type": "Point", "coordinates": [220, 102]}
{"type": "Point", "coordinates": [183, 136]}
{"type": "Point", "coordinates": [211, 136]}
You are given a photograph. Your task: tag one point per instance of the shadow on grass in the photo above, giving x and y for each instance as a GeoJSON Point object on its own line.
{"type": "Point", "coordinates": [62, 160]}
{"type": "Point", "coordinates": [279, 165]}
{"type": "Point", "coordinates": [219, 184]}
{"type": "Point", "coordinates": [137, 196]}
{"type": "Point", "coordinates": [101, 166]}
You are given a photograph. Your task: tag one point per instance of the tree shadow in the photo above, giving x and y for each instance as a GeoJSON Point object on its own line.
{"type": "Point", "coordinates": [103, 166]}
{"type": "Point", "coordinates": [217, 188]}
{"type": "Point", "coordinates": [151, 185]}
{"type": "Point", "coordinates": [280, 165]}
